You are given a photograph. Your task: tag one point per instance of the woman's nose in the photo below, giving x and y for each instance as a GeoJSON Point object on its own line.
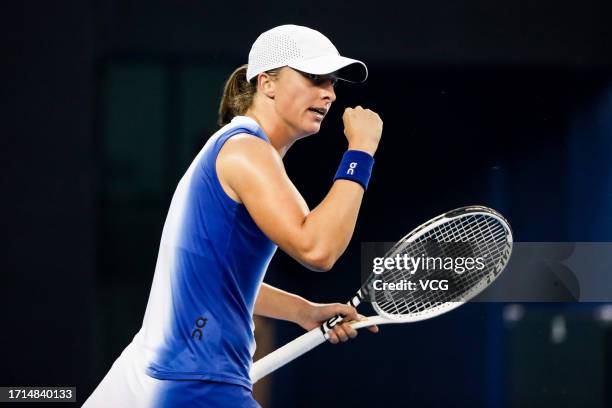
{"type": "Point", "coordinates": [329, 92]}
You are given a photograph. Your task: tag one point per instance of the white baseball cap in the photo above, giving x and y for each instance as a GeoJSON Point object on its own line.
{"type": "Point", "coordinates": [304, 49]}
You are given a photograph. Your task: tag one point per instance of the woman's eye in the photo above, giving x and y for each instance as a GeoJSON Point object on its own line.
{"type": "Point", "coordinates": [321, 79]}
{"type": "Point", "coordinates": [316, 79]}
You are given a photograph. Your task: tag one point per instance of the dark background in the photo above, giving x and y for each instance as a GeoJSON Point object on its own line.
{"type": "Point", "coordinates": [501, 103]}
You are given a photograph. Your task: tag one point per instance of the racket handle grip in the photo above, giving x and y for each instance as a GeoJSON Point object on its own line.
{"type": "Point", "coordinates": [286, 354]}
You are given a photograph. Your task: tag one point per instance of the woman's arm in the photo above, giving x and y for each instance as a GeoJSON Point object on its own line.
{"type": "Point", "coordinates": [278, 304]}
{"type": "Point", "coordinates": [254, 172]}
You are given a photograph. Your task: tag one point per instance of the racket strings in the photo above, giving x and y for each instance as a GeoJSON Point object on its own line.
{"type": "Point", "coordinates": [461, 283]}
{"type": "Point", "coordinates": [418, 248]}
{"type": "Point", "coordinates": [473, 236]}
{"type": "Point", "coordinates": [426, 299]}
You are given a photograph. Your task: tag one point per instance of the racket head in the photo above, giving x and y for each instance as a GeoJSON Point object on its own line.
{"type": "Point", "coordinates": [476, 231]}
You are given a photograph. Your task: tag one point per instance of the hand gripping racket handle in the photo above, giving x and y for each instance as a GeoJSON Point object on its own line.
{"type": "Point", "coordinates": [299, 346]}
{"type": "Point", "coordinates": [286, 354]}
{"type": "Point", "coordinates": [302, 345]}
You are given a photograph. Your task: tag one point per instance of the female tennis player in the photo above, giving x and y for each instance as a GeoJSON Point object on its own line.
{"type": "Point", "coordinates": [230, 211]}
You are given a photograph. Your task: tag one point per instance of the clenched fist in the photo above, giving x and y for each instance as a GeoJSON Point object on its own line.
{"type": "Point", "coordinates": [362, 128]}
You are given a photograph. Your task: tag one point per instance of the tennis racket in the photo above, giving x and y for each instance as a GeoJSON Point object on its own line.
{"type": "Point", "coordinates": [470, 232]}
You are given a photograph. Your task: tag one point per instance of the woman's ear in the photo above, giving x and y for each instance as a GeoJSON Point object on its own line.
{"type": "Point", "coordinates": [266, 84]}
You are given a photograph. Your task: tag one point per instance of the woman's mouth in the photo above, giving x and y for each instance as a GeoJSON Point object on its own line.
{"type": "Point", "coordinates": [318, 112]}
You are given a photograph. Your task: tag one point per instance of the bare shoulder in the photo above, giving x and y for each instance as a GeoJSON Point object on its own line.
{"type": "Point", "coordinates": [246, 148]}
{"type": "Point", "coordinates": [243, 158]}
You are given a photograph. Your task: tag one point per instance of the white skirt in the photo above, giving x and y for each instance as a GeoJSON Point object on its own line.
{"type": "Point", "coordinates": [126, 384]}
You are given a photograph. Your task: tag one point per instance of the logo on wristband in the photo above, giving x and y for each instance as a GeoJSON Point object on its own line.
{"type": "Point", "coordinates": [352, 167]}
{"type": "Point", "coordinates": [355, 166]}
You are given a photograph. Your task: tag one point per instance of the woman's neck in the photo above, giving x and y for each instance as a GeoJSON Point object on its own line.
{"type": "Point", "coordinates": [281, 138]}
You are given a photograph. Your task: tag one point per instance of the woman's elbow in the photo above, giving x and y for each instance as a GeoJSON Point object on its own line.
{"type": "Point", "coordinates": [320, 261]}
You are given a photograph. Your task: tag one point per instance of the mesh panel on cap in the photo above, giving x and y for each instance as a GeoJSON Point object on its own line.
{"type": "Point", "coordinates": [272, 51]}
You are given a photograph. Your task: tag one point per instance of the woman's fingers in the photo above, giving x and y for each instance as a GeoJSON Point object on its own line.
{"type": "Point", "coordinates": [349, 330]}
{"type": "Point", "coordinates": [349, 312]}
{"type": "Point", "coordinates": [344, 331]}
{"type": "Point", "coordinates": [373, 329]}
{"type": "Point", "coordinates": [341, 333]}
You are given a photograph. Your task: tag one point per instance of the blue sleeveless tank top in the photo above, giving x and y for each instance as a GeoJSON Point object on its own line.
{"type": "Point", "coordinates": [211, 262]}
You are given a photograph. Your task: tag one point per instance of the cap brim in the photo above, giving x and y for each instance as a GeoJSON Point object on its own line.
{"type": "Point", "coordinates": [347, 69]}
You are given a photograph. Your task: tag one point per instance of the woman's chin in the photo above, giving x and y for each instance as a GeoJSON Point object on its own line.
{"type": "Point", "coordinates": [308, 127]}
{"type": "Point", "coordinates": [314, 130]}
{"type": "Point", "coordinates": [313, 127]}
